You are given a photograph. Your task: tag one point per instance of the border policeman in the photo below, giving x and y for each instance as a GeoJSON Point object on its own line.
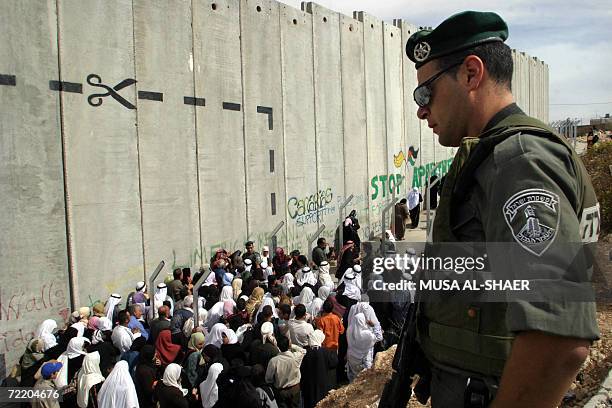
{"type": "Point", "coordinates": [513, 181]}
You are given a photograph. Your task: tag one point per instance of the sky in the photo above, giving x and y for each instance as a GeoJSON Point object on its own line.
{"type": "Point", "coordinates": [574, 38]}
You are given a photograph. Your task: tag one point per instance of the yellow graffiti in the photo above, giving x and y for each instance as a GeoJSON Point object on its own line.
{"type": "Point", "coordinates": [399, 159]}
{"type": "Point", "coordinates": [121, 282]}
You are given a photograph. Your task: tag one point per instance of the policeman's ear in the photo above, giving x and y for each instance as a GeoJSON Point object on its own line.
{"type": "Point", "coordinates": [472, 72]}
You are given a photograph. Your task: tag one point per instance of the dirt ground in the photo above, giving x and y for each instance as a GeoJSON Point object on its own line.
{"type": "Point", "coordinates": [365, 391]}
{"type": "Point", "coordinates": [599, 363]}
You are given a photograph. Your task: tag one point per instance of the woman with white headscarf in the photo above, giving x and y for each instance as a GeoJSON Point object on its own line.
{"type": "Point", "coordinates": [80, 326]}
{"type": "Point", "coordinates": [45, 332]}
{"type": "Point", "coordinates": [414, 206]}
{"type": "Point", "coordinates": [215, 336]}
{"type": "Point", "coordinates": [305, 298]}
{"type": "Point", "coordinates": [202, 318]}
{"type": "Point", "coordinates": [209, 392]}
{"type": "Point", "coordinates": [267, 301]}
{"type": "Point", "coordinates": [231, 350]}
{"type": "Point", "coordinates": [287, 283]}
{"type": "Point", "coordinates": [317, 303]}
{"type": "Point", "coordinates": [217, 311]}
{"type": "Point", "coordinates": [169, 392]}
{"type": "Point", "coordinates": [367, 310]}
{"type": "Point", "coordinates": [89, 381]}
{"type": "Point", "coordinates": [325, 278]}
{"type": "Point", "coordinates": [361, 336]}
{"type": "Point", "coordinates": [118, 391]}
{"type": "Point", "coordinates": [227, 293]}
{"type": "Point", "coordinates": [102, 343]}
{"type": "Point", "coordinates": [72, 360]}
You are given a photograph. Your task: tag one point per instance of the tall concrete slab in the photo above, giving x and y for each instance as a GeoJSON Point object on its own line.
{"type": "Point", "coordinates": [546, 93]}
{"type": "Point", "coordinates": [394, 106]}
{"type": "Point", "coordinates": [533, 87]}
{"type": "Point", "coordinates": [263, 119]}
{"type": "Point", "coordinates": [34, 261]}
{"type": "Point", "coordinates": [356, 146]}
{"type": "Point", "coordinates": [328, 114]}
{"type": "Point", "coordinates": [514, 75]}
{"type": "Point", "coordinates": [101, 147]}
{"type": "Point", "coordinates": [166, 134]}
{"type": "Point", "coordinates": [440, 151]}
{"type": "Point", "coordinates": [518, 89]}
{"type": "Point", "coordinates": [428, 155]}
{"type": "Point", "coordinates": [542, 89]}
{"type": "Point", "coordinates": [304, 196]}
{"type": "Point", "coordinates": [412, 125]}
{"type": "Point", "coordinates": [525, 82]}
{"type": "Point", "coordinates": [381, 182]}
{"type": "Point", "coordinates": [220, 112]}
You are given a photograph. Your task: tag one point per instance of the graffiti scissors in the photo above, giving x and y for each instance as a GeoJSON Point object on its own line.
{"type": "Point", "coordinates": [96, 99]}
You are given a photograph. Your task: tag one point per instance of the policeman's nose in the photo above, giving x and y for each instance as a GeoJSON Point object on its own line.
{"type": "Point", "coordinates": [422, 112]}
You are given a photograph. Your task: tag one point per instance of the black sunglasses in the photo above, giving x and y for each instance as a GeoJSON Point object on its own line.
{"type": "Point", "coordinates": [422, 93]}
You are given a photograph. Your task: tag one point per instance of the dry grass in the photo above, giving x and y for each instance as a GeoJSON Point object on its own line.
{"type": "Point", "coordinates": [597, 160]}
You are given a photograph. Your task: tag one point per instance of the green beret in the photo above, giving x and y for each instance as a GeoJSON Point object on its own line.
{"type": "Point", "coordinates": [458, 32]}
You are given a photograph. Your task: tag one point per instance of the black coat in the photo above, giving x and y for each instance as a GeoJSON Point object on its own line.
{"type": "Point", "coordinates": [170, 397]}
{"type": "Point", "coordinates": [108, 355]}
{"type": "Point", "coordinates": [262, 353]}
{"type": "Point", "coordinates": [318, 371]}
{"type": "Point", "coordinates": [145, 376]}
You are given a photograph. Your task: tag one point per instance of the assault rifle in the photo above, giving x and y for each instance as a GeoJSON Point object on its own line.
{"type": "Point", "coordinates": [410, 368]}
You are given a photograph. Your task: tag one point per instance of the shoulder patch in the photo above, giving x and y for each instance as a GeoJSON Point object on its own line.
{"type": "Point", "coordinates": [533, 217]}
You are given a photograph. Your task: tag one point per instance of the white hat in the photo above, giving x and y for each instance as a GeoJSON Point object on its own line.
{"type": "Point", "coordinates": [265, 249]}
{"type": "Point", "coordinates": [188, 301]}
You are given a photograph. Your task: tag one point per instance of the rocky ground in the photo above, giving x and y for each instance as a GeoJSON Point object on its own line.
{"type": "Point", "coordinates": [599, 363]}
{"type": "Point", "coordinates": [365, 391]}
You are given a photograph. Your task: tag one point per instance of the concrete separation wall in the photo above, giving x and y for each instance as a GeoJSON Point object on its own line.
{"type": "Point", "coordinates": [33, 246]}
{"type": "Point", "coordinates": [140, 130]}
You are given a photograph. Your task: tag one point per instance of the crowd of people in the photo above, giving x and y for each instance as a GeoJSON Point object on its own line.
{"type": "Point", "coordinates": [271, 331]}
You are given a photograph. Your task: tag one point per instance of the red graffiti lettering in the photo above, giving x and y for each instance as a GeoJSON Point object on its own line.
{"type": "Point", "coordinates": [14, 340]}
{"type": "Point", "coordinates": [14, 305]}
